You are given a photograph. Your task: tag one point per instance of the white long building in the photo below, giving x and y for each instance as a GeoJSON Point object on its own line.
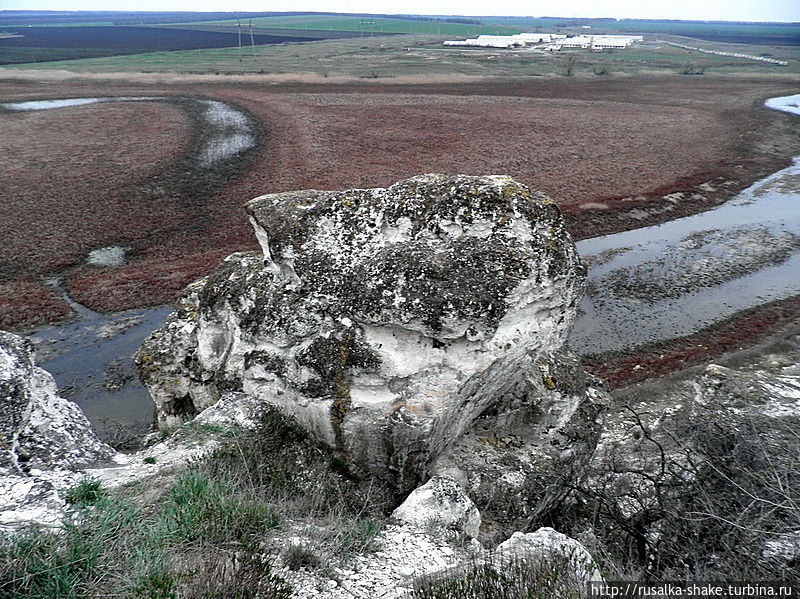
{"type": "Point", "coordinates": [507, 41]}
{"type": "Point", "coordinates": [557, 41]}
{"type": "Point", "coordinates": [598, 41]}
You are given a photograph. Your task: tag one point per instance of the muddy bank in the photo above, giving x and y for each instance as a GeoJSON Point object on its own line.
{"type": "Point", "coordinates": [745, 331]}
{"type": "Point", "coordinates": [57, 221]}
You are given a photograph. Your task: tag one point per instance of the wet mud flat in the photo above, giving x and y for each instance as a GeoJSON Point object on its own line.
{"type": "Point", "coordinates": [630, 281]}
{"type": "Point", "coordinates": [91, 357]}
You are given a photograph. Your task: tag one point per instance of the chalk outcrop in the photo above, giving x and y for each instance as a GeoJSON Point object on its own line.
{"type": "Point", "coordinates": [440, 503]}
{"type": "Point", "coordinates": [41, 435]}
{"type": "Point", "coordinates": [547, 545]}
{"type": "Point", "coordinates": [399, 326]}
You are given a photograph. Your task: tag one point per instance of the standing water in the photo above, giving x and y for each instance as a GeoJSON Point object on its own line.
{"type": "Point", "coordinates": [673, 279]}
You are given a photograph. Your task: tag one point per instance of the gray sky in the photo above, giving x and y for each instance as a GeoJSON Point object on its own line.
{"type": "Point", "coordinates": [730, 10]}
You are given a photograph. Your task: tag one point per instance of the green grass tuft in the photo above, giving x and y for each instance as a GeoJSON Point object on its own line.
{"type": "Point", "coordinates": [88, 491]}
{"type": "Point", "coordinates": [202, 508]}
{"type": "Point", "coordinates": [204, 535]}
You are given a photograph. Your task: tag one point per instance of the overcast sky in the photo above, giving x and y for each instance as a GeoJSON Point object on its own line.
{"type": "Point", "coordinates": [729, 10]}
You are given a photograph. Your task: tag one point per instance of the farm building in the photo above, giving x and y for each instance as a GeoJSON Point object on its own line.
{"type": "Point", "coordinates": [578, 41]}
{"type": "Point", "coordinates": [488, 41]}
{"type": "Point", "coordinates": [557, 41]}
{"type": "Point", "coordinates": [615, 41]}
{"type": "Point", "coordinates": [506, 41]}
{"type": "Point", "coordinates": [533, 38]}
{"type": "Point", "coordinates": [598, 41]}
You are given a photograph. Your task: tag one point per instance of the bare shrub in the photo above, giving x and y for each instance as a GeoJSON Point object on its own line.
{"type": "Point", "coordinates": [300, 555]}
{"type": "Point", "coordinates": [703, 497]}
{"type": "Point", "coordinates": [692, 69]}
{"type": "Point", "coordinates": [569, 64]}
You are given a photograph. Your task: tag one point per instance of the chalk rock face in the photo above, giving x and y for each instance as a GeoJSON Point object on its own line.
{"type": "Point", "coordinates": [440, 502]}
{"type": "Point", "coordinates": [40, 433]}
{"type": "Point", "coordinates": [547, 544]}
{"type": "Point", "coordinates": [387, 321]}
{"type": "Point", "coordinates": [535, 435]}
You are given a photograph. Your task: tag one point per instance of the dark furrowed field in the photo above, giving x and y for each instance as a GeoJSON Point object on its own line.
{"type": "Point", "coordinates": [50, 17]}
{"type": "Point", "coordinates": [43, 44]}
{"type": "Point", "coordinates": [143, 39]}
{"type": "Point", "coordinates": [598, 148]}
{"type": "Point", "coordinates": [308, 34]}
{"type": "Point", "coordinates": [11, 55]}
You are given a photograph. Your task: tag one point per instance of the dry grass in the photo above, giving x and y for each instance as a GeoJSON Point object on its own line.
{"type": "Point", "coordinates": [215, 531]}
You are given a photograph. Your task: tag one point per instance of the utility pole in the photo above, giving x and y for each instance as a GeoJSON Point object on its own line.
{"type": "Point", "coordinates": [239, 29]}
{"type": "Point", "coordinates": [252, 43]}
{"type": "Point", "coordinates": [364, 23]}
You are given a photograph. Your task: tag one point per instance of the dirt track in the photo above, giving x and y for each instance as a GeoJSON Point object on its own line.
{"type": "Point", "coordinates": [607, 150]}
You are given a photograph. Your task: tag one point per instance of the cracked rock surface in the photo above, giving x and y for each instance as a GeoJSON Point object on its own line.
{"type": "Point", "coordinates": [397, 325]}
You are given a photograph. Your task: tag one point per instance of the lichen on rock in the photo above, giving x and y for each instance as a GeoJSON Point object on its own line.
{"type": "Point", "coordinates": [390, 322]}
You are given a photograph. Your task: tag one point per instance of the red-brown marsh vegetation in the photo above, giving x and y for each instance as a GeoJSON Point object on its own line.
{"type": "Point", "coordinates": [73, 177]}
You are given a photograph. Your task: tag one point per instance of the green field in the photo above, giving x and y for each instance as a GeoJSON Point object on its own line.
{"type": "Point", "coordinates": [779, 32]}
{"type": "Point", "coordinates": [371, 24]}
{"type": "Point", "coordinates": [414, 55]}
{"type": "Point", "coordinates": [654, 27]}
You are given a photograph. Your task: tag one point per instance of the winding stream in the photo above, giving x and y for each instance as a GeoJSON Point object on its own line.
{"type": "Point", "coordinates": [645, 285]}
{"type": "Point", "coordinates": [232, 131]}
{"type": "Point", "coordinates": [91, 357]}
{"type": "Point", "coordinates": [673, 279]}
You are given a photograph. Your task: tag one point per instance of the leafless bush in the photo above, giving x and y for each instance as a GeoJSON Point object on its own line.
{"type": "Point", "coordinates": [692, 69]}
{"type": "Point", "coordinates": [540, 579]}
{"type": "Point", "coordinates": [703, 496]}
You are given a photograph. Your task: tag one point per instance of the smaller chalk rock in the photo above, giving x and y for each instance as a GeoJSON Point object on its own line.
{"type": "Point", "coordinates": [548, 544]}
{"type": "Point", "coordinates": [44, 438]}
{"type": "Point", "coordinates": [39, 429]}
{"type": "Point", "coordinates": [440, 502]}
